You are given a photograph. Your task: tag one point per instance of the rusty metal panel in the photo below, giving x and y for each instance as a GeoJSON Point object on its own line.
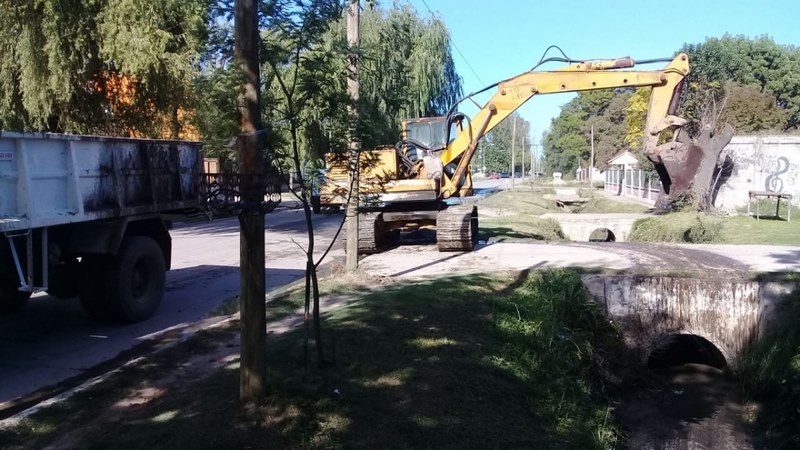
{"type": "Point", "coordinates": [52, 179]}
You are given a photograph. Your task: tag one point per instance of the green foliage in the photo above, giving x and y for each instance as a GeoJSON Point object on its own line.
{"type": "Point", "coordinates": [635, 116]}
{"type": "Point", "coordinates": [756, 62]}
{"type": "Point", "coordinates": [750, 109]}
{"type": "Point", "coordinates": [97, 66]}
{"type": "Point", "coordinates": [495, 149]}
{"type": "Point", "coordinates": [304, 51]}
{"type": "Point", "coordinates": [566, 144]}
{"type": "Point", "coordinates": [769, 373]}
{"type": "Point", "coordinates": [677, 227]}
{"type": "Point", "coordinates": [551, 336]}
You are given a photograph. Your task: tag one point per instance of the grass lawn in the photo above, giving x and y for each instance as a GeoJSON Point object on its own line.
{"type": "Point", "coordinates": [513, 215]}
{"type": "Point", "coordinates": [748, 230]}
{"type": "Point", "coordinates": [694, 227]}
{"type": "Point", "coordinates": [501, 361]}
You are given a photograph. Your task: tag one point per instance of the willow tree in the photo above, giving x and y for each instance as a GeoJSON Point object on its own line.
{"type": "Point", "coordinates": [99, 66]}
{"type": "Point", "coordinates": [407, 70]}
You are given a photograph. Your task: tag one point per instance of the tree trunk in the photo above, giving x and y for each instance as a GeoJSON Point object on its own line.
{"type": "Point", "coordinates": [712, 145]}
{"type": "Point", "coordinates": [353, 17]}
{"type": "Point", "coordinates": [689, 167]}
{"type": "Point", "coordinates": [253, 372]}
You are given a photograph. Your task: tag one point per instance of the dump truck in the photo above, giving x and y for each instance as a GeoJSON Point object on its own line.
{"type": "Point", "coordinates": [407, 186]}
{"type": "Point", "coordinates": [89, 216]}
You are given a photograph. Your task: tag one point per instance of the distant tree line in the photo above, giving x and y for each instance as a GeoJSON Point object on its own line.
{"type": "Point", "coordinates": [753, 84]}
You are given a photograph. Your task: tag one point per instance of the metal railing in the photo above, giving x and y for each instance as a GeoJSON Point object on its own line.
{"type": "Point", "coordinates": [633, 183]}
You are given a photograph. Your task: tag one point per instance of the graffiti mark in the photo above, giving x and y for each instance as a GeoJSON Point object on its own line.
{"type": "Point", "coordinates": [773, 182]}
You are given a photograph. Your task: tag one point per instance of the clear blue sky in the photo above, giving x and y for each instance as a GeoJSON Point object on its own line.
{"type": "Point", "coordinates": [502, 38]}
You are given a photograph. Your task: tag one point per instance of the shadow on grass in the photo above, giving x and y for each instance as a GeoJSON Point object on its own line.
{"type": "Point", "coordinates": [461, 362]}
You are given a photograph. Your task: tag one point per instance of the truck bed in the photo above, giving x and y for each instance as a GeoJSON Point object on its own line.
{"type": "Point", "coordinates": [54, 179]}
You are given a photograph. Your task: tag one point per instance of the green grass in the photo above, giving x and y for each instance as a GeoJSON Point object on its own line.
{"type": "Point", "coordinates": [706, 228]}
{"type": "Point", "coordinates": [521, 201]}
{"type": "Point", "coordinates": [520, 227]}
{"type": "Point", "coordinates": [499, 361]}
{"type": "Point", "coordinates": [748, 230]}
{"type": "Point", "coordinates": [677, 227]}
{"type": "Point", "coordinates": [769, 374]}
{"type": "Point", "coordinates": [604, 205]}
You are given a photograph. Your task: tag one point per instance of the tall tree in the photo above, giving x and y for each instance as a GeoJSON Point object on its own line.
{"type": "Point", "coordinates": [495, 148]}
{"type": "Point", "coordinates": [407, 70]}
{"type": "Point", "coordinates": [756, 62]}
{"type": "Point", "coordinates": [566, 144]}
{"type": "Point", "coordinates": [97, 66]}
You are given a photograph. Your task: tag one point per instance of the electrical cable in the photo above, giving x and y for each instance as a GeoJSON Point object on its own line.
{"type": "Point", "coordinates": [452, 41]}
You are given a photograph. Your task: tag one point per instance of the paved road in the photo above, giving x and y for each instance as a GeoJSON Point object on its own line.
{"type": "Point", "coordinates": [52, 340]}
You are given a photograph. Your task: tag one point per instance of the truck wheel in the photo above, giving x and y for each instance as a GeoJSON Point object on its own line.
{"type": "Point", "coordinates": [316, 204]}
{"type": "Point", "coordinates": [92, 290]}
{"type": "Point", "coordinates": [64, 280]}
{"type": "Point", "coordinates": [136, 279]}
{"type": "Point", "coordinates": [11, 298]}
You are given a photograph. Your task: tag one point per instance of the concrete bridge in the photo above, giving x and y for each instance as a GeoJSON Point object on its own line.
{"type": "Point", "coordinates": [598, 227]}
{"type": "Point", "coordinates": [655, 312]}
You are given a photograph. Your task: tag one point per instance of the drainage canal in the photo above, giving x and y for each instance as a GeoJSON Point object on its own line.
{"type": "Point", "coordinates": [685, 336]}
{"type": "Point", "coordinates": [685, 399]}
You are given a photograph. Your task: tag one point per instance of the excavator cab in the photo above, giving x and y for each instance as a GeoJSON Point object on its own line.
{"type": "Point", "coordinates": [420, 135]}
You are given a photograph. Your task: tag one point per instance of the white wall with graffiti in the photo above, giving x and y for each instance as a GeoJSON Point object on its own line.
{"type": "Point", "coordinates": [760, 163]}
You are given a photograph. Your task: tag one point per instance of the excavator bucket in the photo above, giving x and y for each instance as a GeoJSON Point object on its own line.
{"type": "Point", "coordinates": [677, 164]}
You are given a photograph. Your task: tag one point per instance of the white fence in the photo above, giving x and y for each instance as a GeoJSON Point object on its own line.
{"type": "Point", "coordinates": [633, 183]}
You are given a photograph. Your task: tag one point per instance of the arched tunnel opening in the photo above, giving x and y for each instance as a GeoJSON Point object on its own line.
{"type": "Point", "coordinates": [681, 349]}
{"type": "Point", "coordinates": [602, 235]}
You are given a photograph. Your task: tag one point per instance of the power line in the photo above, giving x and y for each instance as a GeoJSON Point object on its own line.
{"type": "Point", "coordinates": [457, 49]}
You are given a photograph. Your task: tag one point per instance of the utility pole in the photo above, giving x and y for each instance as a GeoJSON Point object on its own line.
{"type": "Point", "coordinates": [534, 157]}
{"type": "Point", "coordinates": [591, 158]}
{"type": "Point", "coordinates": [523, 158]}
{"type": "Point", "coordinates": [513, 142]}
{"type": "Point", "coordinates": [353, 17]}
{"type": "Point", "coordinates": [253, 367]}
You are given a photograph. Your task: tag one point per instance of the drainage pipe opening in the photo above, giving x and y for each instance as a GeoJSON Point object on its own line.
{"type": "Point", "coordinates": [681, 349]}
{"type": "Point", "coordinates": [602, 235]}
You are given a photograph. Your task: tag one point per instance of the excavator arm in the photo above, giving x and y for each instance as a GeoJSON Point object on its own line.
{"type": "Point", "coordinates": [585, 76]}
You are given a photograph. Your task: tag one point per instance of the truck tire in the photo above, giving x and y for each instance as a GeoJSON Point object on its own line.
{"type": "Point", "coordinates": [93, 291]}
{"type": "Point", "coordinates": [316, 204]}
{"type": "Point", "coordinates": [64, 280]}
{"type": "Point", "coordinates": [136, 279]}
{"type": "Point", "coordinates": [11, 298]}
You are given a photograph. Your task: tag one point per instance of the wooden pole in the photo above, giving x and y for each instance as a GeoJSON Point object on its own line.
{"type": "Point", "coordinates": [523, 159]}
{"type": "Point", "coordinates": [513, 142]}
{"type": "Point", "coordinates": [591, 158]}
{"type": "Point", "coordinates": [253, 371]}
{"type": "Point", "coordinates": [353, 17]}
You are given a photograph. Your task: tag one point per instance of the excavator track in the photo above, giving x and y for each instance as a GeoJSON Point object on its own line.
{"type": "Point", "coordinates": [457, 228]}
{"type": "Point", "coordinates": [374, 235]}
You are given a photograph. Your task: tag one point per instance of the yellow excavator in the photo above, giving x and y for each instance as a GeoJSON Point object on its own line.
{"type": "Point", "coordinates": [407, 186]}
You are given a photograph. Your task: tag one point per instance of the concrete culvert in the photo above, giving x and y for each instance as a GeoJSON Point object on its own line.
{"type": "Point", "coordinates": [681, 349]}
{"type": "Point", "coordinates": [602, 235]}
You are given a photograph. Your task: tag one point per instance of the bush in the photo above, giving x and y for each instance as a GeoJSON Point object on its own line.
{"type": "Point", "coordinates": [677, 227]}
{"type": "Point", "coordinates": [769, 374]}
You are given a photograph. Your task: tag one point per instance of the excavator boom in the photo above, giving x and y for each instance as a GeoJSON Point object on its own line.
{"type": "Point", "coordinates": [593, 75]}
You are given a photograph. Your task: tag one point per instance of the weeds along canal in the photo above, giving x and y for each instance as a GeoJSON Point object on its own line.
{"type": "Point", "coordinates": [684, 399]}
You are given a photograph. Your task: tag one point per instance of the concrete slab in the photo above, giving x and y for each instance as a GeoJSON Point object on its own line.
{"type": "Point", "coordinates": [425, 261]}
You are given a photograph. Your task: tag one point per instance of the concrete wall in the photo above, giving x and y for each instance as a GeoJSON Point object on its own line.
{"type": "Point", "coordinates": [730, 314]}
{"type": "Point", "coordinates": [579, 227]}
{"type": "Point", "coordinates": [761, 163]}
